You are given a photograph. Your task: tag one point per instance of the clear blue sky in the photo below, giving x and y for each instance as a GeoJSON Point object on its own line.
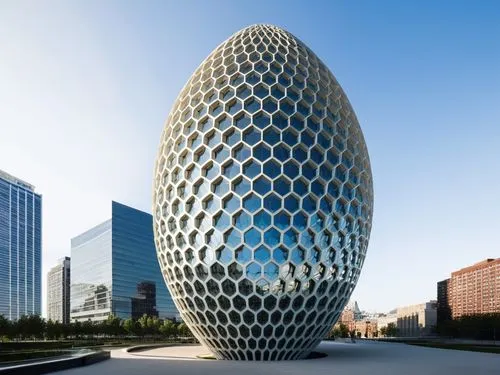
{"type": "Point", "coordinates": [85, 88]}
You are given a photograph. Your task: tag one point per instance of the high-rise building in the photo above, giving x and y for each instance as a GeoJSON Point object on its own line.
{"type": "Point", "coordinates": [417, 320]}
{"type": "Point", "coordinates": [443, 302]}
{"type": "Point", "coordinates": [58, 291]}
{"type": "Point", "coordinates": [20, 248]}
{"type": "Point", "coordinates": [263, 198]}
{"type": "Point", "coordinates": [114, 270]}
{"type": "Point", "coordinates": [472, 290]}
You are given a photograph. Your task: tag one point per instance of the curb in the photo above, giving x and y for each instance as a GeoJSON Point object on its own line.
{"type": "Point", "coordinates": [55, 365]}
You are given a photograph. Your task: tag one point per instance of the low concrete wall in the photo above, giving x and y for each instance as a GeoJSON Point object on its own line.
{"type": "Point", "coordinates": [55, 364]}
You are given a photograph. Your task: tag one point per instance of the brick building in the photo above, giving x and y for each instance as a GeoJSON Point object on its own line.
{"type": "Point", "coordinates": [470, 290]}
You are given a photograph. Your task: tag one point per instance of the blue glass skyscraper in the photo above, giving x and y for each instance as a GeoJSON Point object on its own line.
{"type": "Point", "coordinates": [114, 270]}
{"type": "Point", "coordinates": [20, 248]}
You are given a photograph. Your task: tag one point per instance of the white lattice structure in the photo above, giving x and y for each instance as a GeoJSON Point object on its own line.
{"type": "Point", "coordinates": [262, 198]}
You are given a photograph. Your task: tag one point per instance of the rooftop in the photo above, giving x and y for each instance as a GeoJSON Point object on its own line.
{"type": "Point", "coordinates": [17, 181]}
{"type": "Point", "coordinates": [483, 264]}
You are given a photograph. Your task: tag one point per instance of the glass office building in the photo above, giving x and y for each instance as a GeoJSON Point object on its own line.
{"type": "Point", "coordinates": [114, 270]}
{"type": "Point", "coordinates": [20, 248]}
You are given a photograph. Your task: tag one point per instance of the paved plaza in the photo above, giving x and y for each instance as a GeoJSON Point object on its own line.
{"type": "Point", "coordinates": [363, 357]}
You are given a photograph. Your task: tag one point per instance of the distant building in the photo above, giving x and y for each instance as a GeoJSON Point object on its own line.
{"type": "Point", "coordinates": [354, 307]}
{"type": "Point", "coordinates": [58, 291]}
{"type": "Point", "coordinates": [20, 248]}
{"type": "Point", "coordinates": [115, 270]}
{"type": "Point", "coordinates": [443, 301]}
{"type": "Point", "coordinates": [366, 328]}
{"type": "Point", "coordinates": [472, 290]}
{"type": "Point", "coordinates": [417, 320]}
{"type": "Point", "coordinates": [385, 319]}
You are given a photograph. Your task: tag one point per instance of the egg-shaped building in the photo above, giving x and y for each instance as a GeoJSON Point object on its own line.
{"type": "Point", "coordinates": [262, 198]}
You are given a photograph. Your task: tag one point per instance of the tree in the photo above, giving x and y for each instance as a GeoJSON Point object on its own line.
{"type": "Point", "coordinates": [130, 326]}
{"type": "Point", "coordinates": [344, 330]}
{"type": "Point", "coordinates": [5, 328]}
{"type": "Point", "coordinates": [50, 332]}
{"type": "Point", "coordinates": [392, 330]}
{"type": "Point", "coordinates": [113, 325]}
{"type": "Point", "coordinates": [143, 323]}
{"type": "Point", "coordinates": [168, 328]}
{"type": "Point", "coordinates": [184, 330]}
{"type": "Point", "coordinates": [153, 324]}
{"type": "Point", "coordinates": [383, 331]}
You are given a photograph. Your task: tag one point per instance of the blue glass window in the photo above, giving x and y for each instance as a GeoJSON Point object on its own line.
{"type": "Point", "coordinates": [221, 153]}
{"type": "Point", "coordinates": [261, 152]}
{"type": "Point", "coordinates": [282, 186]}
{"type": "Point", "coordinates": [241, 186]}
{"type": "Point", "coordinates": [241, 153]}
{"type": "Point", "coordinates": [251, 136]}
{"type": "Point", "coordinates": [231, 169]}
{"type": "Point", "coordinates": [290, 238]}
{"type": "Point", "coordinates": [232, 238]}
{"type": "Point", "coordinates": [309, 204]}
{"type": "Point", "coordinates": [224, 255]}
{"type": "Point", "coordinates": [309, 170]}
{"type": "Point", "coordinates": [251, 169]}
{"type": "Point", "coordinates": [254, 271]}
{"type": "Point", "coordinates": [277, 92]}
{"type": "Point", "coordinates": [243, 92]}
{"type": "Point", "coordinates": [325, 205]}
{"type": "Point", "coordinates": [252, 237]}
{"type": "Point", "coordinates": [269, 105]}
{"type": "Point", "coordinates": [272, 169]}
{"type": "Point", "coordinates": [282, 220]}
{"type": "Point", "coordinates": [242, 121]}
{"type": "Point", "coordinates": [303, 108]}
{"type": "Point", "coordinates": [261, 120]}
{"type": "Point", "coordinates": [262, 254]}
{"type": "Point", "coordinates": [261, 91]}
{"type": "Point", "coordinates": [221, 221]}
{"type": "Point", "coordinates": [280, 255]}
{"type": "Point", "coordinates": [280, 121]}
{"type": "Point", "coordinates": [262, 220]}
{"type": "Point", "coordinates": [300, 221]}
{"type": "Point", "coordinates": [252, 105]}
{"type": "Point", "coordinates": [252, 203]}
{"type": "Point", "coordinates": [317, 188]}
{"type": "Point", "coordinates": [281, 152]}
{"type": "Point", "coordinates": [262, 185]}
{"type": "Point", "coordinates": [299, 187]}
{"type": "Point", "coordinates": [297, 123]}
{"type": "Point", "coordinates": [271, 271]}
{"type": "Point", "coordinates": [232, 137]}
{"type": "Point", "coordinates": [272, 237]}
{"type": "Point", "coordinates": [291, 169]}
{"type": "Point", "coordinates": [271, 136]}
{"type": "Point", "coordinates": [223, 122]}
{"type": "Point", "coordinates": [291, 203]}
{"type": "Point", "coordinates": [287, 106]}
{"type": "Point", "coordinates": [298, 255]}
{"type": "Point", "coordinates": [272, 202]}
{"type": "Point", "coordinates": [243, 254]}
{"type": "Point", "coordinates": [242, 220]}
{"type": "Point", "coordinates": [231, 203]}
{"type": "Point", "coordinates": [269, 78]}
{"type": "Point", "coordinates": [299, 154]}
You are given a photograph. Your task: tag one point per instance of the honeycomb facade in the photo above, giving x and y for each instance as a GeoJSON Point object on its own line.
{"type": "Point", "coordinates": [262, 198]}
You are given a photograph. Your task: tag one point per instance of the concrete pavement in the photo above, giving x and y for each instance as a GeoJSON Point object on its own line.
{"type": "Point", "coordinates": [363, 357]}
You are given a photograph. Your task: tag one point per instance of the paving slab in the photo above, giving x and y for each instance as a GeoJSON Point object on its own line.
{"type": "Point", "coordinates": [362, 357]}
